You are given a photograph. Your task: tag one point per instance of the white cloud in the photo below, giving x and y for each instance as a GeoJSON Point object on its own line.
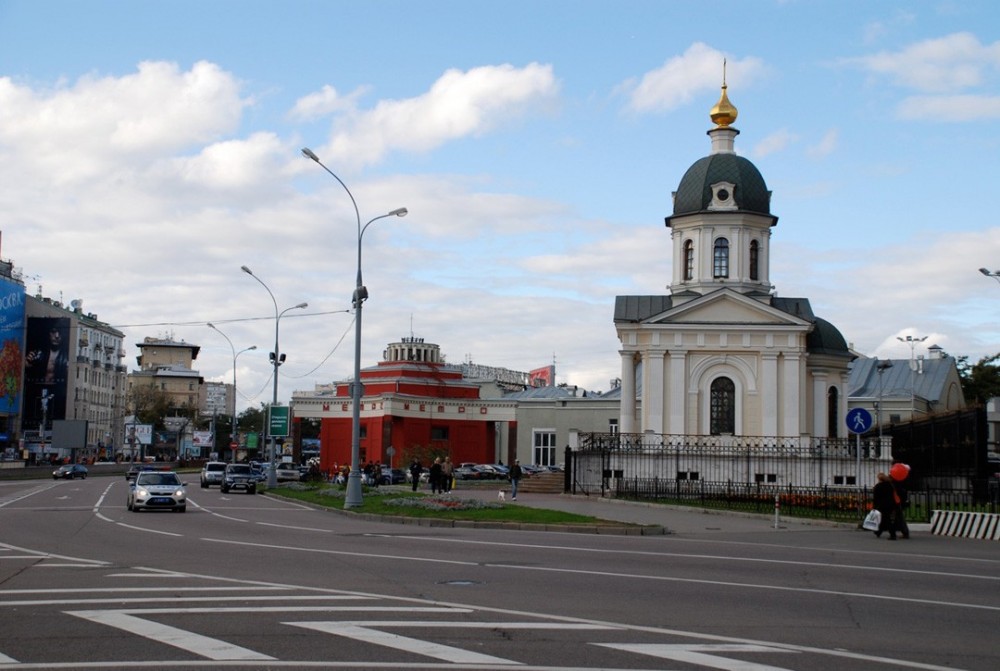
{"type": "Point", "coordinates": [324, 102]}
{"type": "Point", "coordinates": [959, 108]}
{"type": "Point", "coordinates": [775, 142]}
{"type": "Point", "coordinates": [92, 127]}
{"type": "Point", "coordinates": [825, 146]}
{"type": "Point", "coordinates": [681, 78]}
{"type": "Point", "coordinates": [459, 104]}
{"type": "Point", "coordinates": [948, 64]}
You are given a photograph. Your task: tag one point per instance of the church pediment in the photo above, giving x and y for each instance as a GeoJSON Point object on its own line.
{"type": "Point", "coordinates": [726, 306]}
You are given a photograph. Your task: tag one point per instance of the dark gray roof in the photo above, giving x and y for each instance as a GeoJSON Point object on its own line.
{"type": "Point", "coordinates": [826, 339]}
{"type": "Point", "coordinates": [695, 193]}
{"type": "Point", "coordinates": [928, 384]}
{"type": "Point", "coordinates": [636, 309]}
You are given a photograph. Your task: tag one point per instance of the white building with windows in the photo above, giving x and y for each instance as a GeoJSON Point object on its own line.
{"type": "Point", "coordinates": [723, 354]}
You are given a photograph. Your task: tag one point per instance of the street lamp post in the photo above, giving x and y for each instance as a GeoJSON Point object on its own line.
{"type": "Point", "coordinates": [277, 358]}
{"type": "Point", "coordinates": [353, 497]}
{"type": "Point", "coordinates": [995, 274]}
{"type": "Point", "coordinates": [234, 435]}
{"type": "Point", "coordinates": [912, 342]}
{"type": "Point", "coordinates": [881, 367]}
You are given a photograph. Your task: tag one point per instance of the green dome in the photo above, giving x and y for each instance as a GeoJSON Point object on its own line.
{"type": "Point", "coordinates": [695, 193]}
{"type": "Point", "coordinates": [825, 339]}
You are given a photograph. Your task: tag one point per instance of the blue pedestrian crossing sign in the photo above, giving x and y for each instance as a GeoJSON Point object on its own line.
{"type": "Point", "coordinates": [859, 420]}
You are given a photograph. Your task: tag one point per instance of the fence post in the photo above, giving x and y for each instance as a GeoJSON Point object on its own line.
{"type": "Point", "coordinates": [777, 510]}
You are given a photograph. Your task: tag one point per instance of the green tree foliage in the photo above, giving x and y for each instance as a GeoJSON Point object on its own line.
{"type": "Point", "coordinates": [981, 380]}
{"type": "Point", "coordinates": [149, 404]}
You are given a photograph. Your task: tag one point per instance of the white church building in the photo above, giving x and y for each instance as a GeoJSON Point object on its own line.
{"type": "Point", "coordinates": [722, 361]}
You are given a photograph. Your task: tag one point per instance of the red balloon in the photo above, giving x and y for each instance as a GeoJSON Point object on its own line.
{"type": "Point", "coordinates": [899, 471]}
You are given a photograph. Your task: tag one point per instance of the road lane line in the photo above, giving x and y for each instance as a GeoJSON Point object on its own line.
{"type": "Point", "coordinates": [211, 648]}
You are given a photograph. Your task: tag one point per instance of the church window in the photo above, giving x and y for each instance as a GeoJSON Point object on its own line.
{"type": "Point", "coordinates": [720, 267]}
{"type": "Point", "coordinates": [754, 260]}
{"type": "Point", "coordinates": [832, 422]}
{"type": "Point", "coordinates": [689, 260]}
{"type": "Point", "coordinates": [723, 407]}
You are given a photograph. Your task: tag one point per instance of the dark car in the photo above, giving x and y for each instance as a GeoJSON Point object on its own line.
{"type": "Point", "coordinates": [238, 476]}
{"type": "Point", "coordinates": [392, 476]}
{"type": "Point", "coordinates": [70, 472]}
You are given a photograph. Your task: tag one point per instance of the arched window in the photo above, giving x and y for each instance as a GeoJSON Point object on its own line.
{"type": "Point", "coordinates": [723, 407]}
{"type": "Point", "coordinates": [832, 421]}
{"type": "Point", "coordinates": [720, 265]}
{"type": "Point", "coordinates": [689, 260]}
{"type": "Point", "coordinates": [754, 260]}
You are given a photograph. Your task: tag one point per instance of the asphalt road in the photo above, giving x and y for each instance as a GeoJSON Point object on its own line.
{"type": "Point", "coordinates": [252, 582]}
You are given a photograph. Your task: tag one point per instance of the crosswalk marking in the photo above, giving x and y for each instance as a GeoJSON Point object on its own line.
{"type": "Point", "coordinates": [211, 648]}
{"type": "Point", "coordinates": [698, 653]}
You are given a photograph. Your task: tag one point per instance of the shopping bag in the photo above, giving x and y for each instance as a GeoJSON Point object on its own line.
{"type": "Point", "coordinates": [872, 520]}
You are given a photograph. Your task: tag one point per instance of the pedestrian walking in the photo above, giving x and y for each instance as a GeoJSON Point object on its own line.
{"type": "Point", "coordinates": [415, 470]}
{"type": "Point", "coordinates": [447, 475]}
{"type": "Point", "coordinates": [884, 500]}
{"type": "Point", "coordinates": [435, 476]}
{"type": "Point", "coordinates": [515, 477]}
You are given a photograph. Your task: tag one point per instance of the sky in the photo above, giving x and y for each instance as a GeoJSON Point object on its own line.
{"type": "Point", "coordinates": [149, 150]}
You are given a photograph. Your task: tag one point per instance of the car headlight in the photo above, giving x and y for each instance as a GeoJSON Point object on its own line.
{"type": "Point", "coordinates": [141, 492]}
{"type": "Point", "coordinates": [179, 493]}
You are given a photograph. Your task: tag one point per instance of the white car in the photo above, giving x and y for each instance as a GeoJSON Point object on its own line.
{"type": "Point", "coordinates": [162, 490]}
{"type": "Point", "coordinates": [287, 471]}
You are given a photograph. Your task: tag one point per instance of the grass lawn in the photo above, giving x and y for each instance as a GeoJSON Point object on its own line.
{"type": "Point", "coordinates": [418, 504]}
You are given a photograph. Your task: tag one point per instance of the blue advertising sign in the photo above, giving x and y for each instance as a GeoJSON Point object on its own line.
{"type": "Point", "coordinates": [859, 420]}
{"type": "Point", "coordinates": [11, 345]}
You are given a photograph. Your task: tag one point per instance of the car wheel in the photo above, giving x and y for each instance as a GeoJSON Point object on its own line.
{"type": "Point", "coordinates": [204, 485]}
{"type": "Point", "coordinates": [135, 508]}
{"type": "Point", "coordinates": [252, 490]}
{"type": "Point", "coordinates": [128, 506]}
{"type": "Point", "coordinates": [182, 509]}
{"type": "Point", "coordinates": [84, 476]}
{"type": "Point", "coordinates": [225, 490]}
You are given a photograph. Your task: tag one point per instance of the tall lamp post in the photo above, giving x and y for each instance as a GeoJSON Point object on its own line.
{"type": "Point", "coordinates": [881, 367]}
{"type": "Point", "coordinates": [912, 342]}
{"type": "Point", "coordinates": [995, 274]}
{"type": "Point", "coordinates": [234, 435]}
{"type": "Point", "coordinates": [353, 498]}
{"type": "Point", "coordinates": [277, 358]}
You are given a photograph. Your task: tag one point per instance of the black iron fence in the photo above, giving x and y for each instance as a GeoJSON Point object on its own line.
{"type": "Point", "coordinates": [812, 477]}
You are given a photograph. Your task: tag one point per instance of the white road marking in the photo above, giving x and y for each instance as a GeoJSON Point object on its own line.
{"type": "Point", "coordinates": [697, 653]}
{"type": "Point", "coordinates": [416, 646]}
{"type": "Point", "coordinates": [205, 646]}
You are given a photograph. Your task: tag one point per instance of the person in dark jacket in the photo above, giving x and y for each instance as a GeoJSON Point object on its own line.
{"type": "Point", "coordinates": [884, 501]}
{"type": "Point", "coordinates": [435, 476]}
{"type": "Point", "coordinates": [415, 470]}
{"type": "Point", "coordinates": [515, 477]}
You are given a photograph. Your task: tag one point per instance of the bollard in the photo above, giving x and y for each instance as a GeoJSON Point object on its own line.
{"type": "Point", "coordinates": [777, 510]}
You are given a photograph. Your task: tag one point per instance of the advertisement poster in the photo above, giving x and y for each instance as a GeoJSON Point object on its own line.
{"type": "Point", "coordinates": [11, 345]}
{"type": "Point", "coordinates": [46, 368]}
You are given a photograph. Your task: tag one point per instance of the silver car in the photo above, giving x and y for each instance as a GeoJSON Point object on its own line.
{"type": "Point", "coordinates": [162, 490]}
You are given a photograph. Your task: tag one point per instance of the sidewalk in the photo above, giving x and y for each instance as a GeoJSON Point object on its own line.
{"type": "Point", "coordinates": [673, 519]}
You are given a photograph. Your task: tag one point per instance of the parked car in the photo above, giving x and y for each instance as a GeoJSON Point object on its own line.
{"type": "Point", "coordinates": [161, 490]}
{"type": "Point", "coordinates": [70, 472]}
{"type": "Point", "coordinates": [211, 473]}
{"type": "Point", "coordinates": [393, 476]}
{"type": "Point", "coordinates": [238, 476]}
{"type": "Point", "coordinates": [287, 472]}
{"type": "Point", "coordinates": [466, 473]}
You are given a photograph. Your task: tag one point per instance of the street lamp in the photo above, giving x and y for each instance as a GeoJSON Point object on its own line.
{"type": "Point", "coordinates": [912, 342]}
{"type": "Point", "coordinates": [353, 497]}
{"type": "Point", "coordinates": [995, 274]}
{"type": "Point", "coordinates": [234, 435]}
{"type": "Point", "coordinates": [881, 367]}
{"type": "Point", "coordinates": [277, 358]}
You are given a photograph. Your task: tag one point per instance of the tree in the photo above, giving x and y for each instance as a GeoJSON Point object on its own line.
{"type": "Point", "coordinates": [149, 404]}
{"type": "Point", "coordinates": [981, 380]}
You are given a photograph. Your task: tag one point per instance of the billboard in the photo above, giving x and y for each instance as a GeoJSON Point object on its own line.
{"type": "Point", "coordinates": [46, 369]}
{"type": "Point", "coordinates": [11, 345]}
{"type": "Point", "coordinates": [542, 377]}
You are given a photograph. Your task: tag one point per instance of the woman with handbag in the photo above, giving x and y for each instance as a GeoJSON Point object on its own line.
{"type": "Point", "coordinates": [884, 501]}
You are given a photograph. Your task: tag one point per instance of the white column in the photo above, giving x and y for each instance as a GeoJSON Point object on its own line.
{"type": "Point", "coordinates": [820, 415]}
{"type": "Point", "coordinates": [791, 393]}
{"type": "Point", "coordinates": [677, 397]}
{"type": "Point", "coordinates": [626, 420]}
{"type": "Point", "coordinates": [770, 393]}
{"type": "Point", "coordinates": [652, 396]}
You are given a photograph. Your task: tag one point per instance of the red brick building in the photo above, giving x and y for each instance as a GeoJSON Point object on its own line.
{"type": "Point", "coordinates": [413, 404]}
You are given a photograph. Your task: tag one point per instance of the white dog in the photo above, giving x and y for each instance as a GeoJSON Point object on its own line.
{"type": "Point", "coordinates": [501, 496]}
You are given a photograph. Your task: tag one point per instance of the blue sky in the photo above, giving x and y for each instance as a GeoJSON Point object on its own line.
{"type": "Point", "coordinates": [148, 150]}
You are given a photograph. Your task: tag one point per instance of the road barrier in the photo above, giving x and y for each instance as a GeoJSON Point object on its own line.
{"type": "Point", "coordinates": [985, 526]}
